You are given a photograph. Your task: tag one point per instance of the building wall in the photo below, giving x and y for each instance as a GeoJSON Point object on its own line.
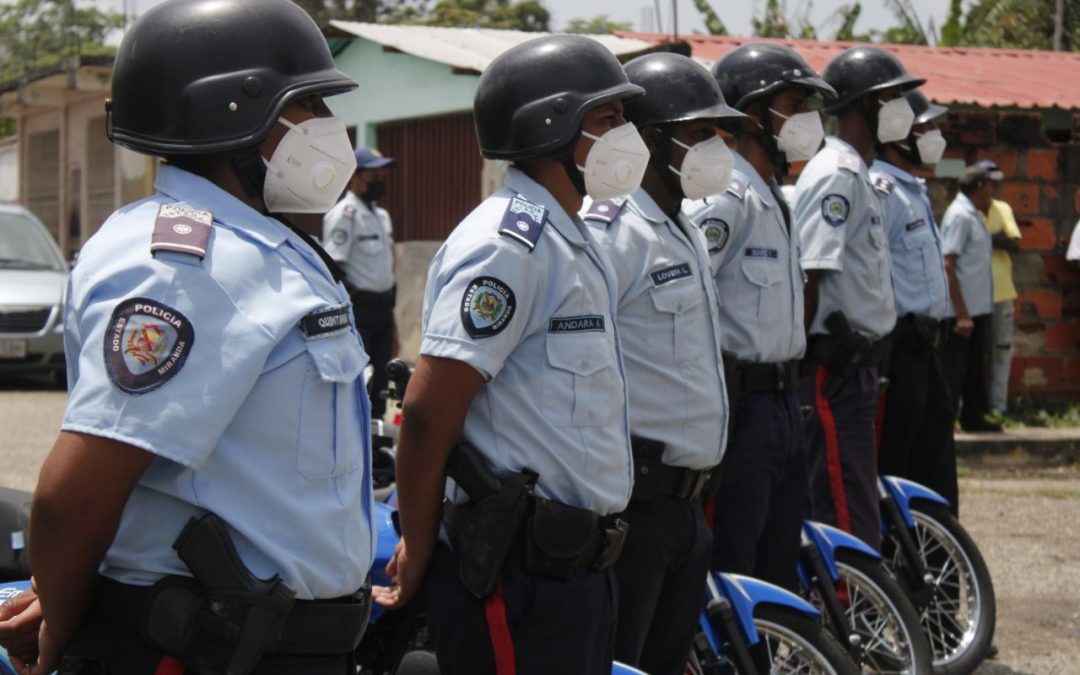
{"type": "Point", "coordinates": [1040, 158]}
{"type": "Point", "coordinates": [395, 86]}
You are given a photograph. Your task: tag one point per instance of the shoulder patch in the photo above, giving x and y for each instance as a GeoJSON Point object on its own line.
{"type": "Point", "coordinates": [605, 210]}
{"type": "Point", "coordinates": [339, 236]}
{"type": "Point", "coordinates": [738, 186]}
{"type": "Point", "coordinates": [835, 209]}
{"type": "Point", "coordinates": [146, 344]}
{"type": "Point", "coordinates": [523, 221]}
{"type": "Point", "coordinates": [717, 232]}
{"type": "Point", "coordinates": [487, 307]}
{"type": "Point", "coordinates": [848, 161]}
{"type": "Point", "coordinates": [348, 211]}
{"type": "Point", "coordinates": [884, 185]}
{"type": "Point", "coordinates": [181, 228]}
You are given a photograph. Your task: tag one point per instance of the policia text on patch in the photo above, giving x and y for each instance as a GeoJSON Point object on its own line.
{"type": "Point", "coordinates": [503, 517]}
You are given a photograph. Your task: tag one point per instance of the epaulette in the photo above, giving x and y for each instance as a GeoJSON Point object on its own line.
{"type": "Point", "coordinates": [523, 221]}
{"type": "Point", "coordinates": [605, 210]}
{"type": "Point", "coordinates": [181, 229]}
{"type": "Point", "coordinates": [738, 186]}
{"type": "Point", "coordinates": [848, 161]}
{"type": "Point", "coordinates": [348, 211]}
{"type": "Point", "coordinates": [884, 185]}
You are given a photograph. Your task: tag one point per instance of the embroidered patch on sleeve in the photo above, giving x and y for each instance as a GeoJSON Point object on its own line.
{"type": "Point", "coordinates": [835, 209]}
{"type": "Point", "coordinates": [487, 307]}
{"type": "Point", "coordinates": [146, 344]}
{"type": "Point", "coordinates": [339, 237]}
{"type": "Point", "coordinates": [716, 233]}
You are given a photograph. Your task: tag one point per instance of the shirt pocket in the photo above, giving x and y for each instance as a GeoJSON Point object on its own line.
{"type": "Point", "coordinates": [764, 277]}
{"type": "Point", "coordinates": [370, 243]}
{"type": "Point", "coordinates": [581, 386]}
{"type": "Point", "coordinates": [333, 409]}
{"type": "Point", "coordinates": [920, 252]}
{"type": "Point", "coordinates": [679, 328]}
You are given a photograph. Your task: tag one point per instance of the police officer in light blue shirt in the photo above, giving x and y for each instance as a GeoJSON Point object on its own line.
{"type": "Point", "coordinates": [521, 359]}
{"type": "Point", "coordinates": [215, 373]}
{"type": "Point", "coordinates": [968, 249]}
{"type": "Point", "coordinates": [916, 434]}
{"type": "Point", "coordinates": [668, 323]}
{"type": "Point", "coordinates": [761, 501]}
{"type": "Point", "coordinates": [849, 296]}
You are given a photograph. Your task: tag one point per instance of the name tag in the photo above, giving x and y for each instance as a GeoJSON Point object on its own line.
{"type": "Point", "coordinates": [587, 323]}
{"type": "Point", "coordinates": [916, 225]}
{"type": "Point", "coordinates": [760, 252]}
{"type": "Point", "coordinates": [669, 274]}
{"type": "Point", "coordinates": [325, 321]}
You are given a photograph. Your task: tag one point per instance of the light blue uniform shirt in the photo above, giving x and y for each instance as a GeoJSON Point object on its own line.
{"type": "Point", "coordinates": [362, 241]}
{"type": "Point", "coordinates": [756, 268]}
{"type": "Point", "coordinates": [534, 313]}
{"type": "Point", "coordinates": [842, 234]}
{"type": "Point", "coordinates": [262, 422]}
{"type": "Point", "coordinates": [668, 324]}
{"type": "Point", "coordinates": [964, 235]}
{"type": "Point", "coordinates": [920, 285]}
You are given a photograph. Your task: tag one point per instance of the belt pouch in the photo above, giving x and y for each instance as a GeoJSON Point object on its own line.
{"type": "Point", "coordinates": [648, 468]}
{"type": "Point", "coordinates": [488, 529]}
{"type": "Point", "coordinates": [558, 538]}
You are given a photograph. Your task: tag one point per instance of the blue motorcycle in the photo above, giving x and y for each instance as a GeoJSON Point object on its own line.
{"type": "Point", "coordinates": [940, 567]}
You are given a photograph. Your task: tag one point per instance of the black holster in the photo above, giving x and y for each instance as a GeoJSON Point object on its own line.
{"type": "Point", "coordinates": [487, 529]}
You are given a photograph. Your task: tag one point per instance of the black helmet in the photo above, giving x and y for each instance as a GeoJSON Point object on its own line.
{"type": "Point", "coordinates": [531, 99]}
{"type": "Point", "coordinates": [757, 69]}
{"type": "Point", "coordinates": [865, 69]}
{"type": "Point", "coordinates": [677, 89]}
{"type": "Point", "coordinates": [207, 76]}
{"type": "Point", "coordinates": [925, 110]}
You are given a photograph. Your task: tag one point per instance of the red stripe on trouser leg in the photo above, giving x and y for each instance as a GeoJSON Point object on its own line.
{"type": "Point", "coordinates": [832, 451]}
{"type": "Point", "coordinates": [502, 646]}
{"type": "Point", "coordinates": [169, 666]}
{"type": "Point", "coordinates": [880, 422]}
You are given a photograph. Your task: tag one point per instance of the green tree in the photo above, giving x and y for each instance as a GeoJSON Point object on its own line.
{"type": "Point", "coordinates": [526, 15]}
{"type": "Point", "coordinates": [952, 33]}
{"type": "Point", "coordinates": [38, 33]}
{"type": "Point", "coordinates": [598, 25]}
{"type": "Point", "coordinates": [773, 23]}
{"type": "Point", "coordinates": [712, 22]}
{"type": "Point", "coordinates": [1011, 24]}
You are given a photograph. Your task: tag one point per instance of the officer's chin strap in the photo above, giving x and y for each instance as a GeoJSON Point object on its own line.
{"type": "Point", "coordinates": [766, 137]}
{"type": "Point", "coordinates": [661, 161]}
{"type": "Point", "coordinates": [907, 148]}
{"type": "Point", "coordinates": [251, 171]}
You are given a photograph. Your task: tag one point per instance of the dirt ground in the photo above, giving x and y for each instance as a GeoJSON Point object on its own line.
{"type": "Point", "coordinates": [1026, 521]}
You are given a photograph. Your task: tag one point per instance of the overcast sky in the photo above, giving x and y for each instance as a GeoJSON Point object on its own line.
{"type": "Point", "coordinates": [736, 14]}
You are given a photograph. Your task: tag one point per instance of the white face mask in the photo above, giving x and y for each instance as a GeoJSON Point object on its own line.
{"type": "Point", "coordinates": [800, 136]}
{"type": "Point", "coordinates": [310, 167]}
{"type": "Point", "coordinates": [931, 145]}
{"type": "Point", "coordinates": [894, 120]}
{"type": "Point", "coordinates": [706, 168]}
{"type": "Point", "coordinates": [616, 162]}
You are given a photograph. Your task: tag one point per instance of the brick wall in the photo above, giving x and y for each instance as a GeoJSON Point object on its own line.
{"type": "Point", "coordinates": [1042, 184]}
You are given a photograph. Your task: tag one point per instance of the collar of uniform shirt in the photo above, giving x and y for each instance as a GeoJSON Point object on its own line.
{"type": "Point", "coordinates": [898, 173]}
{"type": "Point", "coordinates": [744, 168]}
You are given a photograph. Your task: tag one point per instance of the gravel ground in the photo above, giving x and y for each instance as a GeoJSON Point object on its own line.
{"type": "Point", "coordinates": [1026, 522]}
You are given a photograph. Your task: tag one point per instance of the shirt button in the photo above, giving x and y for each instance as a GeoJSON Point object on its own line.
{"type": "Point", "coordinates": [678, 307]}
{"type": "Point", "coordinates": [584, 364]}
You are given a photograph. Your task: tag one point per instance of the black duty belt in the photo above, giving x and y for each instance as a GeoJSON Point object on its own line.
{"type": "Point", "coordinates": [312, 627]}
{"type": "Point", "coordinates": [829, 350]}
{"type": "Point", "coordinates": [919, 330]}
{"type": "Point", "coordinates": [755, 378]}
{"type": "Point", "coordinates": [653, 478]}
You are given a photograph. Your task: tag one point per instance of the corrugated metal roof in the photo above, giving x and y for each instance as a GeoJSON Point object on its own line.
{"type": "Point", "coordinates": [467, 48]}
{"type": "Point", "coordinates": [983, 77]}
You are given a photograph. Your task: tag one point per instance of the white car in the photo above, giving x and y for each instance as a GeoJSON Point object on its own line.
{"type": "Point", "coordinates": [33, 280]}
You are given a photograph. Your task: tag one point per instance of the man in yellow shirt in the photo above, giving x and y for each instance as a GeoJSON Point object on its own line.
{"type": "Point", "coordinates": [1005, 237]}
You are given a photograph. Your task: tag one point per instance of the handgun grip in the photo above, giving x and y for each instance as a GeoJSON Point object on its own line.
{"type": "Point", "coordinates": [209, 553]}
{"type": "Point", "coordinates": [468, 468]}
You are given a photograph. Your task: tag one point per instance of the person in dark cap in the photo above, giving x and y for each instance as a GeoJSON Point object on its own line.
{"type": "Point", "coordinates": [1005, 237]}
{"type": "Point", "coordinates": [967, 248]}
{"type": "Point", "coordinates": [359, 236]}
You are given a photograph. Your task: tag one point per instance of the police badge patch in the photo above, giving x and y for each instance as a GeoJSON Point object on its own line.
{"type": "Point", "coordinates": [716, 234]}
{"type": "Point", "coordinates": [834, 209]}
{"type": "Point", "coordinates": [146, 344]}
{"type": "Point", "coordinates": [487, 307]}
{"type": "Point", "coordinates": [339, 236]}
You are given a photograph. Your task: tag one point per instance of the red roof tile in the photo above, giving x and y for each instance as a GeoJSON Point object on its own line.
{"type": "Point", "coordinates": [983, 77]}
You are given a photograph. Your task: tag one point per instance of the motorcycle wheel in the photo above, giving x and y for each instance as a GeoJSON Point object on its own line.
{"type": "Point", "coordinates": [795, 643]}
{"type": "Point", "coordinates": [960, 616]}
{"type": "Point", "coordinates": [891, 637]}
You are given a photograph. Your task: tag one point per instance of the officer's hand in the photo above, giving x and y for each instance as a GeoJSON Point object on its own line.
{"type": "Point", "coordinates": [20, 619]}
{"type": "Point", "coordinates": [964, 326]}
{"type": "Point", "coordinates": [406, 575]}
{"type": "Point", "coordinates": [49, 653]}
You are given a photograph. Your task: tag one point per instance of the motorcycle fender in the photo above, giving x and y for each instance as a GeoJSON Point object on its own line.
{"type": "Point", "coordinates": [829, 539]}
{"type": "Point", "coordinates": [903, 491]}
{"type": "Point", "coordinates": [746, 593]}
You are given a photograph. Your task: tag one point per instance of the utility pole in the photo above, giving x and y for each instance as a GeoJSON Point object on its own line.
{"type": "Point", "coordinates": [675, 19]}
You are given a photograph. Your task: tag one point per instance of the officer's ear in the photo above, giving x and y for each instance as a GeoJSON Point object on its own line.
{"type": "Point", "coordinates": [652, 137]}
